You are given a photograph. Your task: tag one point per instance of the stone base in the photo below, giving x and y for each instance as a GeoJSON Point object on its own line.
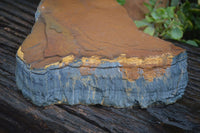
{"type": "Point", "coordinates": [105, 85]}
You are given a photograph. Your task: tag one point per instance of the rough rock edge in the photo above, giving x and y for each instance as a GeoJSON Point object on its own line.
{"type": "Point", "coordinates": [104, 86]}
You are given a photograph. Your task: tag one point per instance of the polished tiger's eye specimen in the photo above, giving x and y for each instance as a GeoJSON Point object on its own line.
{"type": "Point", "coordinates": [91, 52]}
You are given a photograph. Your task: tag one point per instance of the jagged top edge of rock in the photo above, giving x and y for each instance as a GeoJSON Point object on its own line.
{"type": "Point", "coordinates": [91, 32]}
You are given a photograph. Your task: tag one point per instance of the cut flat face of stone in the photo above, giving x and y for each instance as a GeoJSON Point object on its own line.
{"type": "Point", "coordinates": [90, 52]}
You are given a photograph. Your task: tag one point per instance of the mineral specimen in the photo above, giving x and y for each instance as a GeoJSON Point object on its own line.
{"type": "Point", "coordinates": [90, 52]}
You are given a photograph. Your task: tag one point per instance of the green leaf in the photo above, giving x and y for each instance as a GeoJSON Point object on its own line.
{"type": "Point", "coordinates": [149, 30]}
{"type": "Point", "coordinates": [175, 2]}
{"type": "Point", "coordinates": [176, 33]}
{"type": "Point", "coordinates": [162, 13]}
{"type": "Point", "coordinates": [175, 23]}
{"type": "Point", "coordinates": [188, 25]}
{"type": "Point", "coordinates": [166, 25]}
{"type": "Point", "coordinates": [141, 23]}
{"type": "Point", "coordinates": [191, 42]}
{"type": "Point", "coordinates": [152, 2]}
{"type": "Point", "coordinates": [159, 21]}
{"type": "Point", "coordinates": [197, 41]}
{"type": "Point", "coordinates": [149, 19]}
{"type": "Point", "coordinates": [181, 16]}
{"type": "Point", "coordinates": [195, 10]}
{"type": "Point", "coordinates": [170, 11]}
{"type": "Point", "coordinates": [167, 22]}
{"type": "Point", "coordinates": [159, 14]}
{"type": "Point", "coordinates": [185, 7]}
{"type": "Point", "coordinates": [197, 23]}
{"type": "Point", "coordinates": [155, 15]}
{"type": "Point", "coordinates": [149, 7]}
{"type": "Point", "coordinates": [121, 2]}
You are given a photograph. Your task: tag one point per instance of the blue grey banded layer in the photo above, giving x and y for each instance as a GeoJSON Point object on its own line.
{"type": "Point", "coordinates": [105, 85]}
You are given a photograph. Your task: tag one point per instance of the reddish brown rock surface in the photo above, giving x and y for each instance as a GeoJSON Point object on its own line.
{"type": "Point", "coordinates": [88, 28]}
{"type": "Point", "coordinates": [136, 8]}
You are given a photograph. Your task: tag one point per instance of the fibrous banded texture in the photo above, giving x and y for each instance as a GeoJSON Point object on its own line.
{"type": "Point", "coordinates": [90, 52]}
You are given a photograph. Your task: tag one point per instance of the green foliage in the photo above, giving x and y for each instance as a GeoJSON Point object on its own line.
{"type": "Point", "coordinates": [192, 42]}
{"type": "Point", "coordinates": [171, 22]}
{"type": "Point", "coordinates": [161, 22]}
{"type": "Point", "coordinates": [121, 2]}
{"type": "Point", "coordinates": [192, 15]}
{"type": "Point", "coordinates": [174, 2]}
{"type": "Point", "coordinates": [189, 14]}
{"type": "Point", "coordinates": [149, 30]}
